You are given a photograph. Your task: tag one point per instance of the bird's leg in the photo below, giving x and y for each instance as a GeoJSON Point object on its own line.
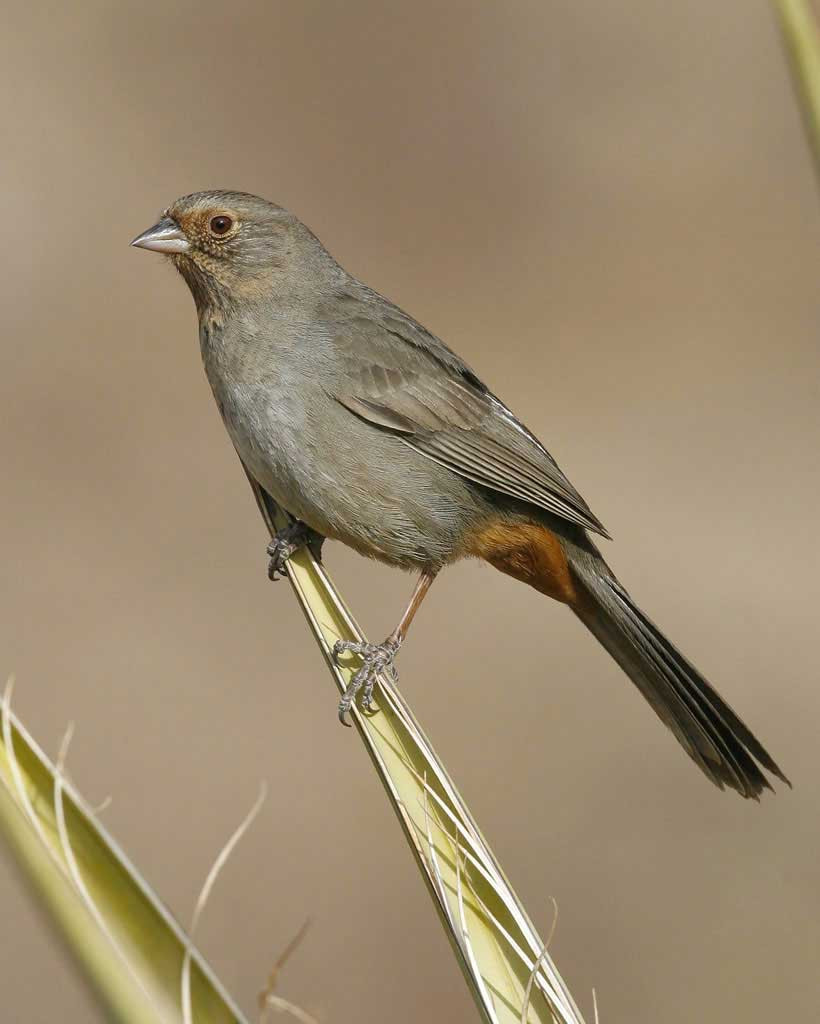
{"type": "Point", "coordinates": [287, 542]}
{"type": "Point", "coordinates": [378, 658]}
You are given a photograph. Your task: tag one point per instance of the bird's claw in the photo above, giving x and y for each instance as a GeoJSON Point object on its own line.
{"type": "Point", "coordinates": [285, 544]}
{"type": "Point", "coordinates": [376, 659]}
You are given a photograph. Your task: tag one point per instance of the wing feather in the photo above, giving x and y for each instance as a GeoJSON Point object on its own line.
{"type": "Point", "coordinates": [401, 378]}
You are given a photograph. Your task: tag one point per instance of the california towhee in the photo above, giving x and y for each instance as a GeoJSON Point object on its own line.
{"type": "Point", "coordinates": [368, 429]}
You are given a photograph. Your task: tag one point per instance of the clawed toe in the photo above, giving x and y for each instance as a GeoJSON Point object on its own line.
{"type": "Point", "coordinates": [376, 659]}
{"type": "Point", "coordinates": [279, 552]}
{"type": "Point", "coordinates": [285, 544]}
{"type": "Point", "coordinates": [345, 645]}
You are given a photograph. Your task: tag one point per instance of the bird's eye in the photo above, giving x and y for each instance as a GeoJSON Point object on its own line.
{"type": "Point", "coordinates": [221, 225]}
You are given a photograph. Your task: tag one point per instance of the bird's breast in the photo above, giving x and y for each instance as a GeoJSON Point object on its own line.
{"type": "Point", "coordinates": [263, 400]}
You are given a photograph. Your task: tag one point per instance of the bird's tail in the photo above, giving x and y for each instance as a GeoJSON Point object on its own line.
{"type": "Point", "coordinates": [704, 724]}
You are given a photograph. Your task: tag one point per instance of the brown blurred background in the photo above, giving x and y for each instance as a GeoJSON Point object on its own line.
{"type": "Point", "coordinates": [608, 208]}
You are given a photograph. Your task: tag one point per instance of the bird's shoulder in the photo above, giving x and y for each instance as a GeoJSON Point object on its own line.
{"type": "Point", "coordinates": [367, 325]}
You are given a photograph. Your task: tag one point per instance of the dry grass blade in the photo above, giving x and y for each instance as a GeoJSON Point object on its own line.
{"type": "Point", "coordinates": [268, 999]}
{"type": "Point", "coordinates": [204, 895]}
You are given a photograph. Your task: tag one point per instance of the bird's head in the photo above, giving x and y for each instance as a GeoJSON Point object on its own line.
{"type": "Point", "coordinates": [232, 246]}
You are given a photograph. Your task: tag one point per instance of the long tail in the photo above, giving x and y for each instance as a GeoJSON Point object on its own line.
{"type": "Point", "coordinates": [704, 724]}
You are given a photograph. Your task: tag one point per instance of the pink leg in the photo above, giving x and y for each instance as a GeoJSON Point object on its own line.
{"type": "Point", "coordinates": [378, 658]}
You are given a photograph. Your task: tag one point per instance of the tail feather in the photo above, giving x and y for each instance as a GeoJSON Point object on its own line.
{"type": "Point", "coordinates": [708, 729]}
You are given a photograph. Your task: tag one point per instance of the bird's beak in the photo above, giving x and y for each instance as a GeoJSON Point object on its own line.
{"type": "Point", "coordinates": [166, 236]}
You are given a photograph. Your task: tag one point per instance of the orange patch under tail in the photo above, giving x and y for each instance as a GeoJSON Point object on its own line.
{"type": "Point", "coordinates": [528, 552]}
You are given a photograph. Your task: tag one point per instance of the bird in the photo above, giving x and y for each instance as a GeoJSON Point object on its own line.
{"type": "Point", "coordinates": [368, 429]}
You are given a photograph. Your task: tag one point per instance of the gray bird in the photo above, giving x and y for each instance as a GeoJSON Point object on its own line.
{"type": "Point", "coordinates": [366, 428]}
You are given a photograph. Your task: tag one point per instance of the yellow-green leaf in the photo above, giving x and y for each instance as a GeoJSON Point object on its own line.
{"type": "Point", "coordinates": [128, 944]}
{"type": "Point", "coordinates": [801, 33]}
{"type": "Point", "coordinates": [504, 961]}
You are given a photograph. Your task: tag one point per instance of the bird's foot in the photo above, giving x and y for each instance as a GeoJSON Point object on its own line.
{"type": "Point", "coordinates": [375, 659]}
{"type": "Point", "coordinates": [286, 543]}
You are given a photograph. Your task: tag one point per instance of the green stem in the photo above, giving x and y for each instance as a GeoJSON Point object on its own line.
{"type": "Point", "coordinates": [801, 33]}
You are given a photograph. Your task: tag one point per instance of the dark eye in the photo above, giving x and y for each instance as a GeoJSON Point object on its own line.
{"type": "Point", "coordinates": [221, 225]}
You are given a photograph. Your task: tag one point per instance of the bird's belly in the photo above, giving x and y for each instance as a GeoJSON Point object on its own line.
{"type": "Point", "coordinates": [353, 483]}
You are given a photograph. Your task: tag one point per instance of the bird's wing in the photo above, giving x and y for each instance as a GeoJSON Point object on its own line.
{"type": "Point", "coordinates": [400, 378]}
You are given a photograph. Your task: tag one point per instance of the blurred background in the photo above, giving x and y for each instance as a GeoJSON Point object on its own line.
{"type": "Point", "coordinates": [608, 208]}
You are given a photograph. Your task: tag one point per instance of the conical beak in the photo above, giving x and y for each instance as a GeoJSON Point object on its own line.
{"type": "Point", "coordinates": [166, 236]}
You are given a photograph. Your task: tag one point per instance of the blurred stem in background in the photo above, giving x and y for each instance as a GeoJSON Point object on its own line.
{"type": "Point", "coordinates": [800, 26]}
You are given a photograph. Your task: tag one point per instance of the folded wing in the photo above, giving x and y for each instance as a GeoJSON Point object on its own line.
{"type": "Point", "coordinates": [400, 378]}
